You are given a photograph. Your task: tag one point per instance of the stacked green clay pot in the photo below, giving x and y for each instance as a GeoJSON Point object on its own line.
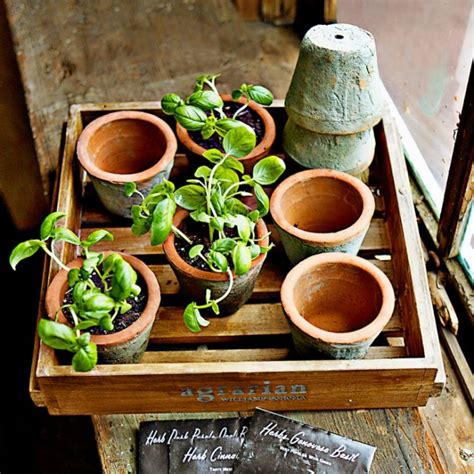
{"type": "Point", "coordinates": [334, 100]}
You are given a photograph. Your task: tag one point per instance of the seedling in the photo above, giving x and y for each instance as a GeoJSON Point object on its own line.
{"type": "Point", "coordinates": [100, 290]}
{"type": "Point", "coordinates": [203, 110]}
{"type": "Point", "coordinates": [212, 197]}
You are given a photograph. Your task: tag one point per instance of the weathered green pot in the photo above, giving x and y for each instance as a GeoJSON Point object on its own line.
{"type": "Point", "coordinates": [193, 282]}
{"type": "Point", "coordinates": [336, 305]}
{"type": "Point", "coordinates": [336, 87]}
{"type": "Point", "coordinates": [349, 153]}
{"type": "Point", "coordinates": [123, 347]}
{"type": "Point", "coordinates": [319, 211]}
{"type": "Point", "coordinates": [126, 146]}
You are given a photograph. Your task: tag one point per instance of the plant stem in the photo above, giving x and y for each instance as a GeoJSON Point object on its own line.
{"type": "Point", "coordinates": [241, 109]}
{"type": "Point", "coordinates": [229, 288]}
{"type": "Point", "coordinates": [56, 259]}
{"type": "Point", "coordinates": [181, 234]}
{"type": "Point", "coordinates": [76, 320]}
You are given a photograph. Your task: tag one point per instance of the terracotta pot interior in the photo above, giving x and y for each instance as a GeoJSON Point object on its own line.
{"type": "Point", "coordinates": [338, 297]}
{"type": "Point", "coordinates": [126, 146]}
{"type": "Point", "coordinates": [322, 205]}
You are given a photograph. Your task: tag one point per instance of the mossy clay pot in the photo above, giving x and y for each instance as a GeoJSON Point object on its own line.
{"type": "Point", "coordinates": [336, 305]}
{"type": "Point", "coordinates": [128, 345]}
{"type": "Point", "coordinates": [336, 87]}
{"type": "Point", "coordinates": [194, 151]}
{"type": "Point", "coordinates": [352, 154]}
{"type": "Point", "coordinates": [193, 282]}
{"type": "Point", "coordinates": [121, 147]}
{"type": "Point", "coordinates": [319, 211]}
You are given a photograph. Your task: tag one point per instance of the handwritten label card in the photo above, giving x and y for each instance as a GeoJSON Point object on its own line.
{"type": "Point", "coordinates": [203, 457]}
{"type": "Point", "coordinates": [290, 446]}
{"type": "Point", "coordinates": [156, 439]}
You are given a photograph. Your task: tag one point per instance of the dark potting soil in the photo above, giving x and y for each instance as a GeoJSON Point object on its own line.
{"type": "Point", "coordinates": [199, 234]}
{"type": "Point", "coordinates": [248, 116]}
{"type": "Point", "coordinates": [121, 321]}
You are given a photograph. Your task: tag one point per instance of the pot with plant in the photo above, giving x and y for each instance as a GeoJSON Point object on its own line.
{"type": "Point", "coordinates": [206, 116]}
{"type": "Point", "coordinates": [101, 306]}
{"type": "Point", "coordinates": [215, 244]}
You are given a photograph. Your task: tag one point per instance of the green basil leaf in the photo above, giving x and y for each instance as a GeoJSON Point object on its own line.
{"type": "Point", "coordinates": [200, 216]}
{"type": "Point", "coordinates": [241, 259]}
{"type": "Point", "coordinates": [124, 307]}
{"type": "Point", "coordinates": [195, 250]}
{"type": "Point", "coordinates": [213, 155]}
{"type": "Point", "coordinates": [73, 277]}
{"type": "Point", "coordinates": [219, 260]}
{"type": "Point", "coordinates": [190, 315]}
{"type": "Point", "coordinates": [123, 279]}
{"type": "Point", "coordinates": [109, 263]}
{"type": "Point", "coordinates": [136, 290]}
{"type": "Point", "coordinates": [203, 172]}
{"type": "Point", "coordinates": [254, 216]}
{"type": "Point", "coordinates": [99, 302]}
{"type": "Point", "coordinates": [85, 359]}
{"type": "Point", "coordinates": [223, 245]}
{"type": "Point", "coordinates": [106, 323]}
{"type": "Point", "coordinates": [190, 196]}
{"type": "Point", "coordinates": [217, 223]}
{"type": "Point", "coordinates": [47, 226]}
{"type": "Point", "coordinates": [207, 131]}
{"type": "Point", "coordinates": [215, 307]}
{"type": "Point", "coordinates": [233, 163]}
{"type": "Point", "coordinates": [235, 206]}
{"type": "Point", "coordinates": [236, 94]}
{"type": "Point", "coordinates": [78, 292]}
{"type": "Point", "coordinates": [226, 176]}
{"type": "Point", "coordinates": [254, 251]}
{"type": "Point", "coordinates": [92, 315]}
{"type": "Point", "coordinates": [141, 227]}
{"type": "Point", "coordinates": [162, 221]}
{"type": "Point", "coordinates": [267, 249]}
{"type": "Point", "coordinates": [239, 142]}
{"type": "Point", "coordinates": [217, 202]}
{"type": "Point", "coordinates": [205, 100]}
{"type": "Point", "coordinates": [190, 117]}
{"type": "Point", "coordinates": [57, 335]}
{"type": "Point", "coordinates": [24, 250]}
{"type": "Point", "coordinates": [86, 325]}
{"type": "Point", "coordinates": [88, 266]}
{"type": "Point", "coordinates": [61, 233]}
{"type": "Point", "coordinates": [96, 236]}
{"type": "Point", "coordinates": [84, 339]}
{"type": "Point", "coordinates": [169, 103]}
{"type": "Point", "coordinates": [223, 125]}
{"type": "Point", "coordinates": [129, 189]}
{"type": "Point", "coordinates": [263, 202]}
{"type": "Point", "coordinates": [243, 227]}
{"type": "Point", "coordinates": [268, 170]}
{"type": "Point", "coordinates": [260, 94]}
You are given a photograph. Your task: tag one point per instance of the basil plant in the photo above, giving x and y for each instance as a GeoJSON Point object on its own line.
{"type": "Point", "coordinates": [100, 290]}
{"type": "Point", "coordinates": [212, 197]}
{"type": "Point", "coordinates": [203, 110]}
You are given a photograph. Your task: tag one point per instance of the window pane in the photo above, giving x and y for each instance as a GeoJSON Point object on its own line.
{"type": "Point", "coordinates": [424, 53]}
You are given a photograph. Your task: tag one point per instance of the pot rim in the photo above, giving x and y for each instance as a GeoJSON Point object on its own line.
{"type": "Point", "coordinates": [59, 285]}
{"type": "Point", "coordinates": [359, 227]}
{"type": "Point", "coordinates": [142, 176]}
{"type": "Point", "coordinates": [313, 263]}
{"type": "Point", "coordinates": [260, 150]}
{"type": "Point", "coordinates": [173, 256]}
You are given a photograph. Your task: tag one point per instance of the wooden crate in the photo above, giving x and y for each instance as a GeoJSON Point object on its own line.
{"type": "Point", "coordinates": [245, 360]}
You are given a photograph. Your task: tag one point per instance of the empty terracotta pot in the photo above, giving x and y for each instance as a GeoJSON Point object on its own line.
{"type": "Point", "coordinates": [194, 282]}
{"type": "Point", "coordinates": [336, 87]}
{"type": "Point", "coordinates": [125, 346]}
{"type": "Point", "coordinates": [321, 210]}
{"type": "Point", "coordinates": [349, 153]}
{"type": "Point", "coordinates": [336, 305]}
{"type": "Point", "coordinates": [126, 146]}
{"type": "Point", "coordinates": [194, 151]}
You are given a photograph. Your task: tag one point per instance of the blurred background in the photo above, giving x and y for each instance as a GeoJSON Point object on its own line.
{"type": "Point", "coordinates": [54, 53]}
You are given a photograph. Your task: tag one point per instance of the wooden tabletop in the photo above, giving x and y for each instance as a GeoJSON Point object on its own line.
{"type": "Point", "coordinates": [106, 51]}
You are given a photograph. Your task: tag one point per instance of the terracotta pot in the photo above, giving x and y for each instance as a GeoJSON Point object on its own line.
{"type": "Point", "coordinates": [336, 305]}
{"type": "Point", "coordinates": [126, 146]}
{"type": "Point", "coordinates": [194, 282]}
{"type": "Point", "coordinates": [319, 211]}
{"type": "Point", "coordinates": [349, 153]}
{"type": "Point", "coordinates": [194, 151]}
{"type": "Point", "coordinates": [336, 87]}
{"type": "Point", "coordinates": [125, 346]}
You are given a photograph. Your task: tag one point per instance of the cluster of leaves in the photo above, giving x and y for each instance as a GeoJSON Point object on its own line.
{"type": "Point", "coordinates": [92, 305]}
{"type": "Point", "coordinates": [203, 110]}
{"type": "Point", "coordinates": [213, 197]}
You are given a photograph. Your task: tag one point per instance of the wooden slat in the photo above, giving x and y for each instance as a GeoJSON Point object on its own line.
{"type": "Point", "coordinates": [252, 320]}
{"type": "Point", "coordinates": [376, 240]}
